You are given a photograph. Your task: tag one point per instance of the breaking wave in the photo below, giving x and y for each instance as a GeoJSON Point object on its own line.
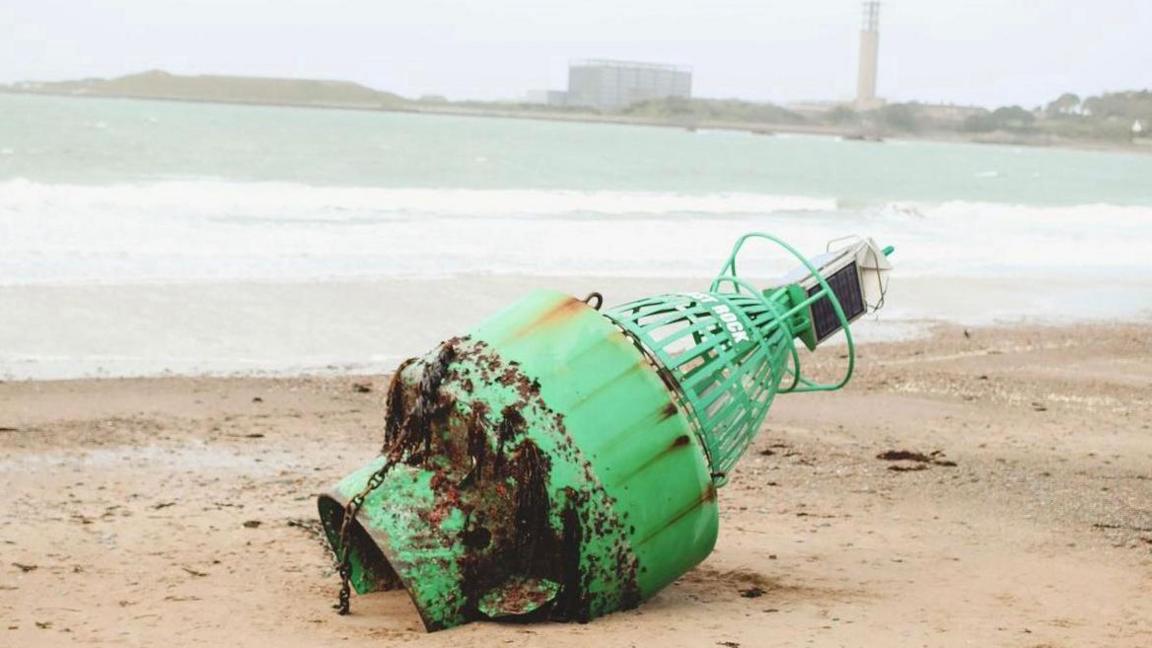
{"type": "Point", "coordinates": [208, 230]}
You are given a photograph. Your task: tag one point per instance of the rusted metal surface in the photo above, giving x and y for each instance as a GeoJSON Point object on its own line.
{"type": "Point", "coordinates": [558, 462]}
{"type": "Point", "coordinates": [495, 496]}
{"type": "Point", "coordinates": [518, 596]}
{"type": "Point", "coordinates": [488, 470]}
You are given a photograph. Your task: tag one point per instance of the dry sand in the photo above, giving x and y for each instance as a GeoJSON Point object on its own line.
{"type": "Point", "coordinates": [180, 511]}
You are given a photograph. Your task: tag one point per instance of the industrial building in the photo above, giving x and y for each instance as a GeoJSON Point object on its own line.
{"type": "Point", "coordinates": [613, 85]}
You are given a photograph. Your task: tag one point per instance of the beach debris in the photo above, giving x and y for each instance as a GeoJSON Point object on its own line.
{"type": "Point", "coordinates": [257, 399]}
{"type": "Point", "coordinates": [908, 468]}
{"type": "Point", "coordinates": [753, 592]}
{"type": "Point", "coordinates": [773, 449]}
{"type": "Point", "coordinates": [6, 429]}
{"type": "Point", "coordinates": [312, 527]}
{"type": "Point", "coordinates": [251, 524]}
{"type": "Point", "coordinates": [194, 572]}
{"type": "Point", "coordinates": [562, 460]}
{"type": "Point", "coordinates": [920, 460]}
{"type": "Point", "coordinates": [25, 567]}
{"type": "Point", "coordinates": [1127, 527]}
{"type": "Point", "coordinates": [362, 387]}
{"type": "Point", "coordinates": [903, 455]}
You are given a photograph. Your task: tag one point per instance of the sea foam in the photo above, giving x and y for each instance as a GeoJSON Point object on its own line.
{"type": "Point", "coordinates": [209, 230]}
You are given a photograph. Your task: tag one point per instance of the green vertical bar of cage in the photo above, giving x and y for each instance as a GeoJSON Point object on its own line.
{"type": "Point", "coordinates": [725, 362]}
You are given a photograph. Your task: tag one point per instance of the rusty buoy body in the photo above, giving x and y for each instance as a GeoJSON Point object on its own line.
{"type": "Point", "coordinates": [562, 462]}
{"type": "Point", "coordinates": [538, 465]}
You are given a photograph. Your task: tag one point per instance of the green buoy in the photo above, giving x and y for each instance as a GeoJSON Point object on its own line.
{"type": "Point", "coordinates": [562, 462]}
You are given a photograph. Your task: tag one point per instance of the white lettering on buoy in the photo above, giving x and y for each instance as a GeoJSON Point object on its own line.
{"type": "Point", "coordinates": [724, 314]}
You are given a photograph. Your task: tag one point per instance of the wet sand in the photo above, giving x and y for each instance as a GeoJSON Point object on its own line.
{"type": "Point", "coordinates": [180, 511]}
{"type": "Point", "coordinates": [274, 328]}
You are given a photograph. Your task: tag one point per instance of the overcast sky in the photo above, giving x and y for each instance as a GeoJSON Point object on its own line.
{"type": "Point", "coordinates": [977, 51]}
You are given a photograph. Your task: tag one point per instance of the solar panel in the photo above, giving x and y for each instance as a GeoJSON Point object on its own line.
{"type": "Point", "coordinates": [845, 284]}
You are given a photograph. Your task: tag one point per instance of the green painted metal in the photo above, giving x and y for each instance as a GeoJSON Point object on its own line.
{"type": "Point", "coordinates": [622, 416]}
{"type": "Point", "coordinates": [563, 462]}
{"type": "Point", "coordinates": [727, 351]}
{"type": "Point", "coordinates": [396, 517]}
{"type": "Point", "coordinates": [794, 307]}
{"type": "Point", "coordinates": [518, 597]}
{"type": "Point", "coordinates": [622, 460]}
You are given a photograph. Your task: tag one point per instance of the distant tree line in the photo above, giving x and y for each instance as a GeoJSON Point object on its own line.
{"type": "Point", "coordinates": [1005, 118]}
{"type": "Point", "coordinates": [1116, 115]}
{"type": "Point", "coordinates": [1108, 116]}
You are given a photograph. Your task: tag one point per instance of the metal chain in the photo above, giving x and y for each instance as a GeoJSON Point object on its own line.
{"type": "Point", "coordinates": [351, 510]}
{"type": "Point", "coordinates": [394, 451]}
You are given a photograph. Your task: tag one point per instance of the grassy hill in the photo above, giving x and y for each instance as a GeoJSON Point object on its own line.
{"type": "Point", "coordinates": [157, 84]}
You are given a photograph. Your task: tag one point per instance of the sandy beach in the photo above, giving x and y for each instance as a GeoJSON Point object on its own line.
{"type": "Point", "coordinates": [180, 511]}
{"type": "Point", "coordinates": [221, 244]}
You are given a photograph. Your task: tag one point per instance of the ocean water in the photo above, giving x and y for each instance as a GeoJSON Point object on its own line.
{"type": "Point", "coordinates": [138, 237]}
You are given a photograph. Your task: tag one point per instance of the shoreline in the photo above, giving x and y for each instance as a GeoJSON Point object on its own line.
{"type": "Point", "coordinates": [181, 510]}
{"type": "Point", "coordinates": [907, 332]}
{"type": "Point", "coordinates": [282, 328]}
{"type": "Point", "coordinates": [766, 129]}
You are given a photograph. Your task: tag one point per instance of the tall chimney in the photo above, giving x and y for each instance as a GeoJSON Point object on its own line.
{"type": "Point", "coordinates": [869, 49]}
